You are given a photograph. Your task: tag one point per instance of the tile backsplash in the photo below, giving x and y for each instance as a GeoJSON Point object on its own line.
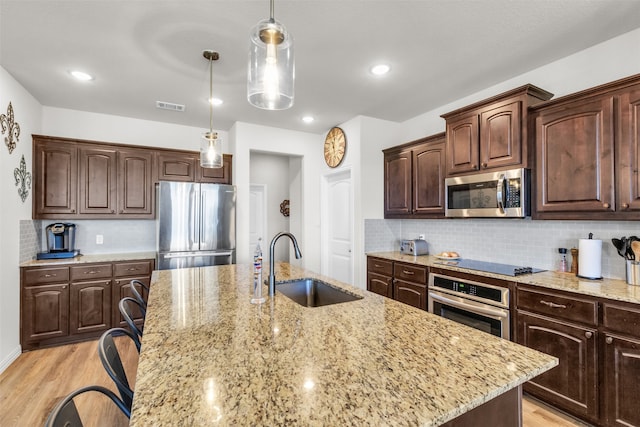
{"type": "Point", "coordinates": [518, 241]}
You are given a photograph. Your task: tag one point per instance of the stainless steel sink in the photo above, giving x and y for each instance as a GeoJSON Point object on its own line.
{"type": "Point", "coordinates": [310, 292]}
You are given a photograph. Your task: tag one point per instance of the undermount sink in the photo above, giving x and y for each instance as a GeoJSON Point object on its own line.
{"type": "Point", "coordinates": [310, 292]}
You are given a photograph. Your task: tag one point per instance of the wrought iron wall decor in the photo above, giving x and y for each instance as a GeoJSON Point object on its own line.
{"type": "Point", "coordinates": [23, 178]}
{"type": "Point", "coordinates": [9, 124]}
{"type": "Point", "coordinates": [284, 207]}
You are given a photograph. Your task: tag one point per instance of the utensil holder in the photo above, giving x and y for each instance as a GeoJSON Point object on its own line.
{"type": "Point", "coordinates": [633, 272]}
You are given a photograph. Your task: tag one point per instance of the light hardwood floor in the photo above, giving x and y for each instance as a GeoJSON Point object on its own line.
{"type": "Point", "coordinates": [37, 380]}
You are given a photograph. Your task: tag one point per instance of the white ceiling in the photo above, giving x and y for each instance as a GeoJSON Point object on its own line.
{"type": "Point", "coordinates": [143, 51]}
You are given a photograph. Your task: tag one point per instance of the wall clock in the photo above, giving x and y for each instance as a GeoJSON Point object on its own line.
{"type": "Point", "coordinates": [335, 146]}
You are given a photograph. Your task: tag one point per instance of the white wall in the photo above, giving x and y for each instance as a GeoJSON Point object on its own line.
{"type": "Point", "coordinates": [28, 114]}
{"type": "Point", "coordinates": [272, 171]}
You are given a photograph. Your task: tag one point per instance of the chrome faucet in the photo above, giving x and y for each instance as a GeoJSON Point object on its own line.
{"type": "Point", "coordinates": [272, 273]}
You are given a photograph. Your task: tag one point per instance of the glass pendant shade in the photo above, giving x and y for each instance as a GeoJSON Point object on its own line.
{"type": "Point", "coordinates": [271, 73]}
{"type": "Point", "coordinates": [210, 150]}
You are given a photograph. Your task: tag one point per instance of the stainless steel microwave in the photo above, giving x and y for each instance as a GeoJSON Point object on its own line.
{"type": "Point", "coordinates": [502, 194]}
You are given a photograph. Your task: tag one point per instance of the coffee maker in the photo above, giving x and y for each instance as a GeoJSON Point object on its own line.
{"type": "Point", "coordinates": [61, 241]}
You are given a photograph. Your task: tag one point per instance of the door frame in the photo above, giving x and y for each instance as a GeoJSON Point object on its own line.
{"type": "Point", "coordinates": [324, 215]}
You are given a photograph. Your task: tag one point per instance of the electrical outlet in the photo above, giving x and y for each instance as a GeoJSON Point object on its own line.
{"type": "Point", "coordinates": [421, 236]}
{"type": "Point", "coordinates": [99, 239]}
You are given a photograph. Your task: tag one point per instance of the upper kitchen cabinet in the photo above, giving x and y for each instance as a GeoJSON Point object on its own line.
{"type": "Point", "coordinates": [84, 179]}
{"type": "Point", "coordinates": [414, 179]}
{"type": "Point", "coordinates": [491, 134]}
{"type": "Point", "coordinates": [175, 165]}
{"type": "Point", "coordinates": [587, 154]}
{"type": "Point", "coordinates": [55, 172]}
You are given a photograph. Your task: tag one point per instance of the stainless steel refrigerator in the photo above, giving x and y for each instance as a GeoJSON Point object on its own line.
{"type": "Point", "coordinates": [196, 225]}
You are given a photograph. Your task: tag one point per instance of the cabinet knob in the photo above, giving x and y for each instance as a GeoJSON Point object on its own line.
{"type": "Point", "coordinates": [609, 340]}
{"type": "Point", "coordinates": [113, 211]}
{"type": "Point", "coordinates": [605, 205]}
{"type": "Point", "coordinates": [588, 334]}
{"type": "Point", "coordinates": [625, 205]}
{"type": "Point", "coordinates": [474, 167]}
{"type": "Point", "coordinates": [484, 165]}
{"type": "Point", "coordinates": [73, 211]}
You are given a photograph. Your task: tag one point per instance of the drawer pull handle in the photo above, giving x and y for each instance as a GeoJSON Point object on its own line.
{"type": "Point", "coordinates": [609, 340]}
{"type": "Point", "coordinates": [410, 273]}
{"type": "Point", "coordinates": [132, 269]}
{"type": "Point", "coordinates": [92, 272]}
{"type": "Point", "coordinates": [552, 304]}
{"type": "Point", "coordinates": [588, 334]}
{"type": "Point", "coordinates": [377, 266]}
{"type": "Point", "coordinates": [49, 275]}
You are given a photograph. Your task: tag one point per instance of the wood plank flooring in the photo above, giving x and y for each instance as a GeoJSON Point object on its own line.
{"type": "Point", "coordinates": [37, 380]}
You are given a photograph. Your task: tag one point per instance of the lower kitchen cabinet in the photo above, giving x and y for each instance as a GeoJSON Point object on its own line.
{"type": "Point", "coordinates": [380, 276]}
{"type": "Point", "coordinates": [403, 282]}
{"type": "Point", "coordinates": [65, 304]}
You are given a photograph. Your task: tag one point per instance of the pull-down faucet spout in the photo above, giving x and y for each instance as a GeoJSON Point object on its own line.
{"type": "Point", "coordinates": [272, 273]}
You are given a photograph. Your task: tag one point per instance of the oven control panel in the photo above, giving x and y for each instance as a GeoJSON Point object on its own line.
{"type": "Point", "coordinates": [478, 291]}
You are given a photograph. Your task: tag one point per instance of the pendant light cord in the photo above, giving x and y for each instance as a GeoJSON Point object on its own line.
{"type": "Point", "coordinates": [211, 94]}
{"type": "Point", "coordinates": [271, 11]}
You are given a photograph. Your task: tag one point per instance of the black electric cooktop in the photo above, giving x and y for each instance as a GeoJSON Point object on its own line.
{"type": "Point", "coordinates": [491, 267]}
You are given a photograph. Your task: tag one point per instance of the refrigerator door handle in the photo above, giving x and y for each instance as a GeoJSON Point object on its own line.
{"type": "Point", "coordinates": [196, 254]}
{"type": "Point", "coordinates": [203, 204]}
{"type": "Point", "coordinates": [195, 229]}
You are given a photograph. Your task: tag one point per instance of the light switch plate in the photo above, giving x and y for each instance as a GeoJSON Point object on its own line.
{"type": "Point", "coordinates": [99, 239]}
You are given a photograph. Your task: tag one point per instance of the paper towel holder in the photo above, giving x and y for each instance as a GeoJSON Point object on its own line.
{"type": "Point", "coordinates": [581, 252]}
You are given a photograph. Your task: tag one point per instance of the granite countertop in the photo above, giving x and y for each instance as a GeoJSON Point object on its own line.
{"type": "Point", "coordinates": [83, 259]}
{"type": "Point", "coordinates": [605, 288]}
{"type": "Point", "coordinates": [209, 356]}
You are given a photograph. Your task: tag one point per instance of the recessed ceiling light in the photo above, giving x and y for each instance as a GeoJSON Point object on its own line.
{"type": "Point", "coordinates": [308, 119]}
{"type": "Point", "coordinates": [216, 101]}
{"type": "Point", "coordinates": [380, 69]}
{"type": "Point", "coordinates": [81, 76]}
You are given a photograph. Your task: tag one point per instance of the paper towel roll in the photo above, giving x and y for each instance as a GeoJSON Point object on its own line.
{"type": "Point", "coordinates": [590, 258]}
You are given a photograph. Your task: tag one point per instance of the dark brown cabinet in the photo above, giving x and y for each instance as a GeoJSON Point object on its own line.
{"type": "Point", "coordinates": [414, 179]}
{"type": "Point", "coordinates": [587, 154]}
{"type": "Point", "coordinates": [55, 173]}
{"type": "Point", "coordinates": [185, 166]}
{"type": "Point", "coordinates": [64, 304]}
{"type": "Point", "coordinates": [135, 184]}
{"type": "Point", "coordinates": [564, 326]}
{"type": "Point", "coordinates": [98, 173]}
{"type": "Point", "coordinates": [380, 276]}
{"type": "Point", "coordinates": [491, 134]}
{"type": "Point", "coordinates": [217, 175]}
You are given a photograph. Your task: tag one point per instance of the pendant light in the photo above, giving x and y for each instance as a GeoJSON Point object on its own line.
{"type": "Point", "coordinates": [271, 71]}
{"type": "Point", "coordinates": [210, 144]}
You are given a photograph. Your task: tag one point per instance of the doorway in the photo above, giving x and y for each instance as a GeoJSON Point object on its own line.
{"type": "Point", "coordinates": [337, 226]}
{"type": "Point", "coordinates": [257, 217]}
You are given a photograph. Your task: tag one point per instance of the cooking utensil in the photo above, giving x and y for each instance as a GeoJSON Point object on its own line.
{"type": "Point", "coordinates": [619, 245]}
{"type": "Point", "coordinates": [635, 248]}
{"type": "Point", "coordinates": [629, 252]}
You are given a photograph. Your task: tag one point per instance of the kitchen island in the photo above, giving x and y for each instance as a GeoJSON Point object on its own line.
{"type": "Point", "coordinates": [209, 357]}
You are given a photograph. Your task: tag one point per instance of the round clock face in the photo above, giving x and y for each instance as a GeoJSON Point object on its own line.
{"type": "Point", "coordinates": [335, 145]}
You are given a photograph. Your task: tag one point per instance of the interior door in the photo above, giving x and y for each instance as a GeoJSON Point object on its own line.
{"type": "Point", "coordinates": [339, 227]}
{"type": "Point", "coordinates": [257, 217]}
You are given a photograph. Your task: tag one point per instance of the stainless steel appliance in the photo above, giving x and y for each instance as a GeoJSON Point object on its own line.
{"type": "Point", "coordinates": [503, 194]}
{"type": "Point", "coordinates": [196, 224]}
{"type": "Point", "coordinates": [414, 247]}
{"type": "Point", "coordinates": [479, 305]}
{"type": "Point", "coordinates": [61, 241]}
{"type": "Point", "coordinates": [490, 267]}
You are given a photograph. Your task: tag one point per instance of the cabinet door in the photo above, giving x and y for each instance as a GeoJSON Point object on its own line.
{"type": "Point", "coordinates": [397, 183]}
{"type": "Point", "coordinates": [500, 136]}
{"type": "Point", "coordinates": [121, 289]}
{"type": "Point", "coordinates": [575, 159]}
{"type": "Point", "coordinates": [573, 384]}
{"type": "Point", "coordinates": [621, 385]}
{"type": "Point", "coordinates": [175, 166]}
{"type": "Point", "coordinates": [135, 186]}
{"type": "Point", "coordinates": [628, 152]}
{"type": "Point", "coordinates": [45, 312]}
{"type": "Point", "coordinates": [380, 284]}
{"type": "Point", "coordinates": [463, 145]}
{"type": "Point", "coordinates": [97, 180]}
{"type": "Point", "coordinates": [55, 173]}
{"type": "Point", "coordinates": [428, 179]}
{"type": "Point", "coordinates": [90, 304]}
{"type": "Point", "coordinates": [217, 175]}
{"type": "Point", "coordinates": [410, 293]}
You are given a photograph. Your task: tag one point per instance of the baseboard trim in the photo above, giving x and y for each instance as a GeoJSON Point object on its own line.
{"type": "Point", "coordinates": [11, 357]}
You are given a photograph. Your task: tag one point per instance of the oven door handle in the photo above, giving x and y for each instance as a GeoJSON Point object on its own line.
{"type": "Point", "coordinates": [479, 310]}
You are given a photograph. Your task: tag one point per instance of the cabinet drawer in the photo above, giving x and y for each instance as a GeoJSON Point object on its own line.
{"type": "Point", "coordinates": [34, 276]}
{"type": "Point", "coordinates": [621, 319]}
{"type": "Point", "coordinates": [558, 306]}
{"type": "Point", "coordinates": [134, 268]}
{"type": "Point", "coordinates": [380, 266]}
{"type": "Point", "coordinates": [91, 272]}
{"type": "Point", "coordinates": [412, 273]}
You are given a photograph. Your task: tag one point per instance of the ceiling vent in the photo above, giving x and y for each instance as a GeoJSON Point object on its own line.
{"type": "Point", "coordinates": [169, 106]}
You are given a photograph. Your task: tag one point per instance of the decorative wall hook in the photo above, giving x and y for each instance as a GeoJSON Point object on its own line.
{"type": "Point", "coordinates": [23, 178]}
{"type": "Point", "coordinates": [284, 207]}
{"type": "Point", "coordinates": [9, 124]}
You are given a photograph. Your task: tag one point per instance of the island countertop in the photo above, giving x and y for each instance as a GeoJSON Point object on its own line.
{"type": "Point", "coordinates": [210, 357]}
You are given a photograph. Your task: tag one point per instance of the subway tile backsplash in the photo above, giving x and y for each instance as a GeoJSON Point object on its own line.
{"type": "Point", "coordinates": [518, 241]}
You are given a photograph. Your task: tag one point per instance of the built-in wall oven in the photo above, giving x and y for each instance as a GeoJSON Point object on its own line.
{"type": "Point", "coordinates": [479, 305]}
